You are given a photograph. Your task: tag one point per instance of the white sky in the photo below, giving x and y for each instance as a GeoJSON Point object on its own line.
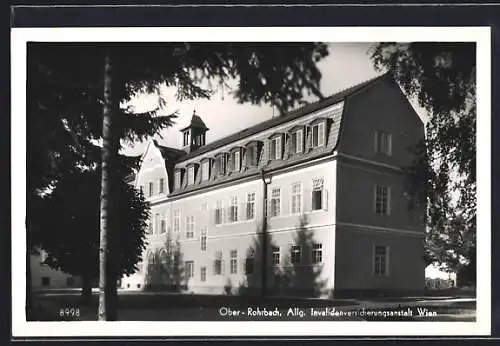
{"type": "Point", "coordinates": [347, 64]}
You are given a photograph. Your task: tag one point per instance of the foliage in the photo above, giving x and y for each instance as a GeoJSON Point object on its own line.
{"type": "Point", "coordinates": [442, 78]}
{"type": "Point", "coordinates": [70, 225]}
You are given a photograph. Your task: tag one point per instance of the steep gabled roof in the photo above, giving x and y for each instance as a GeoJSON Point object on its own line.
{"type": "Point", "coordinates": [169, 154]}
{"type": "Point", "coordinates": [197, 122]}
{"type": "Point", "coordinates": [312, 107]}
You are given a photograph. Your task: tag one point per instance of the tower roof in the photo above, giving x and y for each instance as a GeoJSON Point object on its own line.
{"type": "Point", "coordinates": [196, 122]}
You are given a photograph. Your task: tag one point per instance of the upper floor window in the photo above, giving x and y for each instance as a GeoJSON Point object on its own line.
{"type": "Point", "coordinates": [296, 197]}
{"type": "Point", "coordinates": [151, 188]}
{"type": "Point", "coordinates": [141, 188]}
{"type": "Point", "coordinates": [382, 200]}
{"type": "Point", "coordinates": [185, 141]}
{"type": "Point", "coordinates": [177, 220]}
{"type": "Point", "coordinates": [177, 179]}
{"type": "Point", "coordinates": [383, 142]}
{"type": "Point", "coordinates": [318, 134]}
{"type": "Point", "coordinates": [236, 161]}
{"type": "Point", "coordinates": [190, 173]}
{"type": "Point", "coordinates": [381, 260]}
{"type": "Point", "coordinates": [162, 185]}
{"type": "Point", "coordinates": [150, 227]}
{"type": "Point", "coordinates": [319, 195]}
{"type": "Point", "coordinates": [297, 141]}
{"type": "Point", "coordinates": [157, 223]}
{"type": "Point", "coordinates": [275, 150]}
{"type": "Point", "coordinates": [203, 239]}
{"type": "Point", "coordinates": [190, 227]}
{"type": "Point", "coordinates": [218, 213]}
{"type": "Point", "coordinates": [163, 224]}
{"type": "Point", "coordinates": [205, 170]}
{"type": "Point", "coordinates": [275, 201]}
{"type": "Point", "coordinates": [233, 211]}
{"type": "Point", "coordinates": [250, 205]}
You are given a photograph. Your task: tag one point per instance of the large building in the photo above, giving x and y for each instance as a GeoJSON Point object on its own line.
{"type": "Point", "coordinates": [321, 188]}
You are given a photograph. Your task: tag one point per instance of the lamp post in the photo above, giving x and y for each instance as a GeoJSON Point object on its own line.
{"type": "Point", "coordinates": [266, 181]}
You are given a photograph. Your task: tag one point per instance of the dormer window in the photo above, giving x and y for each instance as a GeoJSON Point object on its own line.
{"type": "Point", "coordinates": [318, 134]}
{"type": "Point", "coordinates": [383, 142]}
{"type": "Point", "coordinates": [205, 170]}
{"type": "Point", "coordinates": [252, 153]}
{"type": "Point", "coordinates": [222, 160]}
{"type": "Point", "coordinates": [276, 151]}
{"type": "Point", "coordinates": [190, 173]}
{"type": "Point", "coordinates": [178, 177]}
{"type": "Point", "coordinates": [297, 141]}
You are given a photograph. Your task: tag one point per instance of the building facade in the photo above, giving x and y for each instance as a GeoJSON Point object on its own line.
{"type": "Point", "coordinates": [309, 203]}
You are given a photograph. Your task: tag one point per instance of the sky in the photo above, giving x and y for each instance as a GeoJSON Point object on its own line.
{"type": "Point", "coordinates": [347, 64]}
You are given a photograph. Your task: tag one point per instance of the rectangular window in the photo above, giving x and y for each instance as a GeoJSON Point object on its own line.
{"type": "Point", "coordinates": [295, 254]}
{"type": "Point", "coordinates": [203, 274]}
{"type": "Point", "coordinates": [318, 134]}
{"type": "Point", "coordinates": [177, 179]}
{"type": "Point", "coordinates": [177, 220]}
{"type": "Point", "coordinates": [189, 269]}
{"type": "Point", "coordinates": [223, 164]}
{"type": "Point", "coordinates": [190, 175]}
{"type": "Point", "coordinates": [157, 224]}
{"type": "Point", "coordinates": [249, 262]}
{"type": "Point", "coordinates": [382, 199]}
{"type": "Point", "coordinates": [297, 141]}
{"type": "Point", "coordinates": [150, 227]}
{"type": "Point", "coordinates": [317, 253]}
{"type": "Point", "coordinates": [381, 260]}
{"type": "Point", "coordinates": [275, 202]}
{"type": "Point", "coordinates": [162, 185]}
{"type": "Point", "coordinates": [205, 170]}
{"type": "Point", "coordinates": [317, 194]}
{"type": "Point", "coordinates": [276, 148]}
{"type": "Point", "coordinates": [234, 262]}
{"type": "Point", "coordinates": [251, 152]}
{"type": "Point", "coordinates": [233, 209]}
{"type": "Point", "coordinates": [218, 263]}
{"type": "Point", "coordinates": [186, 138]}
{"type": "Point", "coordinates": [163, 224]}
{"type": "Point", "coordinates": [250, 205]}
{"type": "Point", "coordinates": [203, 239]}
{"type": "Point", "coordinates": [45, 281]}
{"type": "Point", "coordinates": [190, 227]}
{"type": "Point", "coordinates": [383, 142]}
{"type": "Point", "coordinates": [236, 161]}
{"type": "Point", "coordinates": [218, 213]}
{"type": "Point", "coordinates": [276, 255]}
{"type": "Point", "coordinates": [151, 188]}
{"type": "Point", "coordinates": [296, 198]}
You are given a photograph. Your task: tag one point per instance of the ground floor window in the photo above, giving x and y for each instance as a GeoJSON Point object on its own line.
{"type": "Point", "coordinates": [203, 274]}
{"type": "Point", "coordinates": [276, 255]}
{"type": "Point", "coordinates": [189, 269]}
{"type": "Point", "coordinates": [295, 254]}
{"type": "Point", "coordinates": [381, 260]}
{"type": "Point", "coordinates": [317, 253]}
{"type": "Point", "coordinates": [234, 262]}
{"type": "Point", "coordinates": [45, 281]}
{"type": "Point", "coordinates": [218, 263]}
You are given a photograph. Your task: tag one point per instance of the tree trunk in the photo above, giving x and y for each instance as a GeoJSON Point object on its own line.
{"type": "Point", "coordinates": [86, 289]}
{"type": "Point", "coordinates": [29, 296]}
{"type": "Point", "coordinates": [107, 268]}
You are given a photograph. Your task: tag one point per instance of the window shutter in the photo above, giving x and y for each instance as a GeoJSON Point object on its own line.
{"type": "Point", "coordinates": [308, 138]}
{"type": "Point", "coordinates": [307, 198]}
{"type": "Point", "coordinates": [325, 199]}
{"type": "Point", "coordinates": [222, 267]}
{"type": "Point", "coordinates": [389, 144]}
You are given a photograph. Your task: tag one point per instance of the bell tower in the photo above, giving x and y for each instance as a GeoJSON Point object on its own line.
{"type": "Point", "coordinates": [194, 135]}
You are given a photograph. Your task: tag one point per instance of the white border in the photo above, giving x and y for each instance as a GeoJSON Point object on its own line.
{"type": "Point", "coordinates": [19, 38]}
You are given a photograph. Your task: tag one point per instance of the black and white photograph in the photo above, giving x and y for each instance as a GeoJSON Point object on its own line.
{"type": "Point", "coordinates": [233, 176]}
